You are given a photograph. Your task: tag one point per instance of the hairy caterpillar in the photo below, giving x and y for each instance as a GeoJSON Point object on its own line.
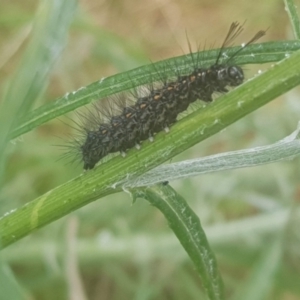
{"type": "Point", "coordinates": [159, 106]}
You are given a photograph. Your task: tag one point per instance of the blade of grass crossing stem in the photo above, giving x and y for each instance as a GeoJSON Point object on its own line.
{"type": "Point", "coordinates": [291, 9]}
{"type": "Point", "coordinates": [50, 31]}
{"type": "Point", "coordinates": [259, 53]}
{"type": "Point", "coordinates": [186, 226]}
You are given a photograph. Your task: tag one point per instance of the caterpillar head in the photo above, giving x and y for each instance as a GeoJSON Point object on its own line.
{"type": "Point", "coordinates": [230, 75]}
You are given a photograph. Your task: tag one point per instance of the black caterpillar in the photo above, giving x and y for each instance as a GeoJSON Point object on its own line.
{"type": "Point", "coordinates": [159, 109]}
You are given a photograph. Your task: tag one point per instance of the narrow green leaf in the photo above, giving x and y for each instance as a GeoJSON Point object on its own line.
{"type": "Point", "coordinates": [50, 31]}
{"type": "Point", "coordinates": [10, 289]}
{"type": "Point", "coordinates": [259, 53]}
{"type": "Point", "coordinates": [261, 280]}
{"type": "Point", "coordinates": [186, 226]}
{"type": "Point", "coordinates": [291, 9]}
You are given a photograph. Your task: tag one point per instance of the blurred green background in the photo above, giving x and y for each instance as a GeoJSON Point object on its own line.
{"type": "Point", "coordinates": [111, 249]}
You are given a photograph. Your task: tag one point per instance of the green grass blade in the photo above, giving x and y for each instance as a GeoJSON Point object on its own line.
{"type": "Point", "coordinates": [263, 275]}
{"type": "Point", "coordinates": [10, 288]}
{"type": "Point", "coordinates": [285, 149]}
{"type": "Point", "coordinates": [259, 53]}
{"type": "Point", "coordinates": [186, 226]}
{"type": "Point", "coordinates": [112, 175]}
{"type": "Point", "coordinates": [291, 9]}
{"type": "Point", "coordinates": [50, 31]}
